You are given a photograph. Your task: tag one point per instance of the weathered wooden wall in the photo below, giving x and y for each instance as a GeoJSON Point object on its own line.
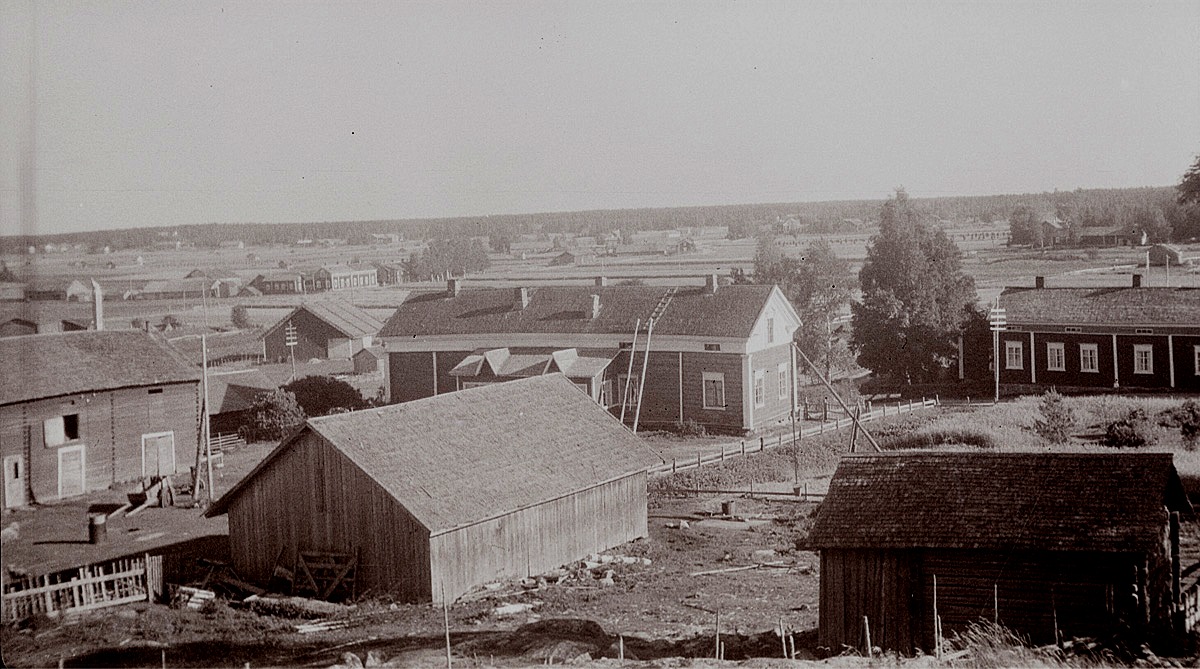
{"type": "Point", "coordinates": [534, 540]}
{"type": "Point", "coordinates": [1088, 594]}
{"type": "Point", "coordinates": [313, 498]}
{"type": "Point", "coordinates": [111, 425]}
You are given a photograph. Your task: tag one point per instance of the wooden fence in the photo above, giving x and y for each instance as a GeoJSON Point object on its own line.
{"type": "Point", "coordinates": [1189, 607]}
{"type": "Point", "coordinates": [741, 448]}
{"type": "Point", "coordinates": [87, 588]}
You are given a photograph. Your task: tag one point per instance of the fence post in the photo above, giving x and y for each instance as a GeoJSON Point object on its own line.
{"type": "Point", "coordinates": [760, 444]}
{"type": "Point", "coordinates": [743, 447]}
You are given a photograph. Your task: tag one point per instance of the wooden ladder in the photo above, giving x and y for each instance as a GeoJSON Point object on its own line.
{"type": "Point", "coordinates": [663, 303]}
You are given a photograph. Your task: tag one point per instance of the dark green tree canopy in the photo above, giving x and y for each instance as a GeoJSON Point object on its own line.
{"type": "Point", "coordinates": [916, 298]}
{"type": "Point", "coordinates": [1189, 186]}
{"type": "Point", "coordinates": [322, 395]}
{"type": "Point", "coordinates": [276, 413]}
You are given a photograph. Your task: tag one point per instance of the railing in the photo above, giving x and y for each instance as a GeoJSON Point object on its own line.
{"type": "Point", "coordinates": [739, 449]}
{"type": "Point", "coordinates": [87, 588]}
{"type": "Point", "coordinates": [1189, 606]}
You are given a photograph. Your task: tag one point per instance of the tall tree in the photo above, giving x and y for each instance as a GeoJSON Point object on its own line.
{"type": "Point", "coordinates": [915, 297]}
{"type": "Point", "coordinates": [1189, 186]}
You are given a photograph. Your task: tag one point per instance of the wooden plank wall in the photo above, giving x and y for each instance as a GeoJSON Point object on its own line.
{"type": "Point", "coordinates": [534, 540]}
{"type": "Point", "coordinates": [878, 584]}
{"type": "Point", "coordinates": [313, 498]}
{"type": "Point", "coordinates": [111, 425]}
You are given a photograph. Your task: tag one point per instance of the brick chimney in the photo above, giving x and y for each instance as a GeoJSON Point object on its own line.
{"type": "Point", "coordinates": [595, 307]}
{"type": "Point", "coordinates": [1137, 280]}
{"type": "Point", "coordinates": [1039, 282]}
{"type": "Point", "coordinates": [520, 298]}
{"type": "Point", "coordinates": [453, 287]}
{"type": "Point", "coordinates": [711, 283]}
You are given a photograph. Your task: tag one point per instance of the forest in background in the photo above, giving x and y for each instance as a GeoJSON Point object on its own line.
{"type": "Point", "coordinates": [1086, 208]}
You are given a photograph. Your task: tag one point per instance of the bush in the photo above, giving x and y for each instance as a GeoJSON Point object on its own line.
{"type": "Point", "coordinates": [1132, 431]}
{"type": "Point", "coordinates": [240, 316]}
{"type": "Point", "coordinates": [323, 395]}
{"type": "Point", "coordinates": [689, 428]}
{"type": "Point", "coordinates": [276, 413]}
{"type": "Point", "coordinates": [1057, 419]}
{"type": "Point", "coordinates": [942, 437]}
{"type": "Point", "coordinates": [1187, 418]}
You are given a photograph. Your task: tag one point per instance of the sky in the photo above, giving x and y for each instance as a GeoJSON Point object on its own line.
{"type": "Point", "coordinates": [167, 112]}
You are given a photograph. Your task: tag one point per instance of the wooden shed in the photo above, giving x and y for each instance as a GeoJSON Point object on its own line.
{"type": "Point", "coordinates": [444, 494]}
{"type": "Point", "coordinates": [324, 328]}
{"type": "Point", "coordinates": [1084, 542]}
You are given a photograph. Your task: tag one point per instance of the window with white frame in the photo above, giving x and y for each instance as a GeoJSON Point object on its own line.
{"type": "Point", "coordinates": [760, 387]}
{"type": "Point", "coordinates": [1143, 359]}
{"type": "Point", "coordinates": [1014, 357]}
{"type": "Point", "coordinates": [628, 397]}
{"type": "Point", "coordinates": [1089, 358]}
{"type": "Point", "coordinates": [714, 390]}
{"type": "Point", "coordinates": [770, 329]}
{"type": "Point", "coordinates": [1056, 356]}
{"type": "Point", "coordinates": [59, 430]}
{"type": "Point", "coordinates": [606, 393]}
{"type": "Point", "coordinates": [784, 385]}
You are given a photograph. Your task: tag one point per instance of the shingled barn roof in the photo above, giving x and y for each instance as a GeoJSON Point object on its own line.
{"type": "Point", "coordinates": [1050, 501]}
{"type": "Point", "coordinates": [730, 312]}
{"type": "Point", "coordinates": [463, 457]}
{"type": "Point", "coordinates": [1102, 306]}
{"type": "Point", "coordinates": [342, 316]}
{"type": "Point", "coordinates": [64, 363]}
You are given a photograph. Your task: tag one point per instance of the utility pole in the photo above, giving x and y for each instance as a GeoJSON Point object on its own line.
{"type": "Point", "coordinates": [998, 321]}
{"type": "Point", "coordinates": [291, 340]}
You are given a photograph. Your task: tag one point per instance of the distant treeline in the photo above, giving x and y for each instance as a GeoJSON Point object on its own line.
{"type": "Point", "coordinates": [1100, 206]}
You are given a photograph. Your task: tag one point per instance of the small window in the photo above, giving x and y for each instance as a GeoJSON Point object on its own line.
{"type": "Point", "coordinates": [1196, 358]}
{"type": "Point", "coordinates": [630, 399]}
{"type": "Point", "coordinates": [760, 387]}
{"type": "Point", "coordinates": [712, 347]}
{"type": "Point", "coordinates": [154, 391]}
{"type": "Point", "coordinates": [784, 385]}
{"type": "Point", "coordinates": [1014, 355]}
{"type": "Point", "coordinates": [1089, 358]}
{"type": "Point", "coordinates": [60, 429]}
{"type": "Point", "coordinates": [1143, 359]}
{"type": "Point", "coordinates": [714, 390]}
{"type": "Point", "coordinates": [1073, 328]}
{"type": "Point", "coordinates": [1056, 357]}
{"type": "Point", "coordinates": [770, 329]}
{"type": "Point", "coordinates": [1144, 331]}
{"type": "Point", "coordinates": [606, 393]}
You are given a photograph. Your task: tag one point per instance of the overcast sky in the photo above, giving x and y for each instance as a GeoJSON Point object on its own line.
{"type": "Point", "coordinates": [171, 112]}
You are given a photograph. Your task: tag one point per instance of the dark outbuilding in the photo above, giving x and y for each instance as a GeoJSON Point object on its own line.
{"type": "Point", "coordinates": [1084, 541]}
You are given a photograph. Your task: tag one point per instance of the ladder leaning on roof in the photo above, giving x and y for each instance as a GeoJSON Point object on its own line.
{"type": "Point", "coordinates": [654, 316]}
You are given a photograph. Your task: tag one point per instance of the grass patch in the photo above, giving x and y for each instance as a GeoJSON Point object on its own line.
{"type": "Point", "coordinates": [933, 437]}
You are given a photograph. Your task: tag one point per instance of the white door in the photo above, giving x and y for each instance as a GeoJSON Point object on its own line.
{"type": "Point", "coordinates": [14, 481]}
{"type": "Point", "coordinates": [158, 454]}
{"type": "Point", "coordinates": [72, 464]}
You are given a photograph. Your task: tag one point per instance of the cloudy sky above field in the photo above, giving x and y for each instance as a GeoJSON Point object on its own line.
{"type": "Point", "coordinates": [170, 112]}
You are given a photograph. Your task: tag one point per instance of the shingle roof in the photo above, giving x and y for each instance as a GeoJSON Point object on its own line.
{"type": "Point", "coordinates": [1097, 306]}
{"type": "Point", "coordinates": [345, 317]}
{"type": "Point", "coordinates": [63, 363]}
{"type": "Point", "coordinates": [1049, 501]}
{"type": "Point", "coordinates": [463, 457]}
{"type": "Point", "coordinates": [235, 391]}
{"type": "Point", "coordinates": [535, 362]}
{"type": "Point", "coordinates": [731, 312]}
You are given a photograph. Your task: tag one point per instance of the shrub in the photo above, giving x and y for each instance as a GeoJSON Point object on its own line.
{"type": "Point", "coordinates": [941, 437]}
{"type": "Point", "coordinates": [323, 395]}
{"type": "Point", "coordinates": [689, 428]}
{"type": "Point", "coordinates": [240, 316]}
{"type": "Point", "coordinates": [276, 413]}
{"type": "Point", "coordinates": [1132, 431]}
{"type": "Point", "coordinates": [1187, 418]}
{"type": "Point", "coordinates": [1057, 419]}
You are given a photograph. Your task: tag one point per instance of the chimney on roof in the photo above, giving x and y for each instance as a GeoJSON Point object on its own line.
{"type": "Point", "coordinates": [520, 297]}
{"type": "Point", "coordinates": [453, 287]}
{"type": "Point", "coordinates": [1137, 280]}
{"type": "Point", "coordinates": [1039, 282]}
{"type": "Point", "coordinates": [595, 307]}
{"type": "Point", "coordinates": [711, 283]}
{"type": "Point", "coordinates": [601, 281]}
{"type": "Point", "coordinates": [97, 305]}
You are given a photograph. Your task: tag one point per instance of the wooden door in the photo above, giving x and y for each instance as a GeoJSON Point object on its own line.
{"type": "Point", "coordinates": [71, 468]}
{"type": "Point", "coordinates": [14, 481]}
{"type": "Point", "coordinates": [158, 454]}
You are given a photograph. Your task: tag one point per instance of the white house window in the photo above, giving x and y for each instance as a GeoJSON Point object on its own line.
{"type": "Point", "coordinates": [784, 386]}
{"type": "Point", "coordinates": [1013, 355]}
{"type": "Point", "coordinates": [714, 390]}
{"type": "Point", "coordinates": [630, 399]}
{"type": "Point", "coordinates": [1056, 356]}
{"type": "Point", "coordinates": [1143, 359]}
{"type": "Point", "coordinates": [606, 393]}
{"type": "Point", "coordinates": [59, 430]}
{"type": "Point", "coordinates": [1089, 358]}
{"type": "Point", "coordinates": [760, 387]}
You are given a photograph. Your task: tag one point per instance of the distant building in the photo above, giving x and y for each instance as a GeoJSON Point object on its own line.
{"type": "Point", "coordinates": [1169, 254]}
{"type": "Point", "coordinates": [11, 291]}
{"type": "Point", "coordinates": [58, 288]}
{"type": "Point", "coordinates": [1134, 337]}
{"type": "Point", "coordinates": [1107, 236]}
{"type": "Point", "coordinates": [323, 329]}
{"type": "Point", "coordinates": [231, 395]}
{"type": "Point", "coordinates": [279, 283]}
{"type": "Point", "coordinates": [1077, 544]}
{"type": "Point", "coordinates": [388, 274]}
{"type": "Point", "coordinates": [437, 497]}
{"type": "Point", "coordinates": [339, 277]}
{"type": "Point", "coordinates": [174, 289]}
{"type": "Point", "coordinates": [16, 327]}
{"type": "Point", "coordinates": [80, 411]}
{"type": "Point", "coordinates": [366, 361]}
